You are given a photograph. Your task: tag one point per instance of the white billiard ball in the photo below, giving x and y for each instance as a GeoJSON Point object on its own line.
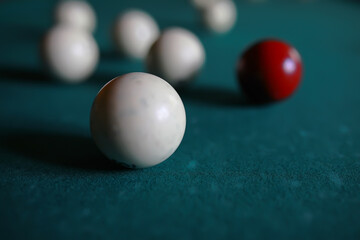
{"type": "Point", "coordinates": [72, 55]}
{"type": "Point", "coordinates": [177, 56]}
{"type": "Point", "coordinates": [134, 32]}
{"type": "Point", "coordinates": [76, 13]}
{"type": "Point", "coordinates": [220, 16]}
{"type": "Point", "coordinates": [138, 120]}
{"type": "Point", "coordinates": [202, 3]}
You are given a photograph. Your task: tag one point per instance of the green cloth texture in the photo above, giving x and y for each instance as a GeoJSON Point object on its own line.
{"type": "Point", "coordinates": [289, 170]}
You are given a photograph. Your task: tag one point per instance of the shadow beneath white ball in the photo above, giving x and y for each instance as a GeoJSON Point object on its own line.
{"type": "Point", "coordinates": [218, 96]}
{"type": "Point", "coordinates": [21, 74]}
{"type": "Point", "coordinates": [59, 149]}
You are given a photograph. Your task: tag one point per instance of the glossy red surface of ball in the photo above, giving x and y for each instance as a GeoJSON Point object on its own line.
{"type": "Point", "coordinates": [270, 70]}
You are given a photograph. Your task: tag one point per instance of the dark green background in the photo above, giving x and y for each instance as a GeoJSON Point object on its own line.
{"type": "Point", "coordinates": [287, 170]}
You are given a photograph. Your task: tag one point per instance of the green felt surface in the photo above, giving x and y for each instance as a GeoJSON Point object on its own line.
{"type": "Point", "coordinates": [287, 170]}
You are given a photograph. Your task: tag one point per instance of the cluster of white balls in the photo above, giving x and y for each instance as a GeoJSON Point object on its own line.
{"type": "Point", "coordinates": [175, 54]}
{"type": "Point", "coordinates": [137, 119]}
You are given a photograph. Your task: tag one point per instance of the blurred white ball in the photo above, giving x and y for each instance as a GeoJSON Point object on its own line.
{"type": "Point", "coordinates": [220, 16]}
{"type": "Point", "coordinates": [134, 32]}
{"type": "Point", "coordinates": [72, 55]}
{"type": "Point", "coordinates": [76, 13]}
{"type": "Point", "coordinates": [177, 56]}
{"type": "Point", "coordinates": [202, 3]}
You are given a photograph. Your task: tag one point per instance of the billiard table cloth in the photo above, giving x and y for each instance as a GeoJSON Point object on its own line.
{"type": "Point", "coordinates": [289, 170]}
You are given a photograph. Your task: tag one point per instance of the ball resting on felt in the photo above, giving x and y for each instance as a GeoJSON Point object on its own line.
{"type": "Point", "coordinates": [219, 16]}
{"type": "Point", "coordinates": [134, 32]}
{"type": "Point", "coordinates": [269, 70]}
{"type": "Point", "coordinates": [138, 119]}
{"type": "Point", "coordinates": [76, 13]}
{"type": "Point", "coordinates": [71, 54]}
{"type": "Point", "coordinates": [177, 56]}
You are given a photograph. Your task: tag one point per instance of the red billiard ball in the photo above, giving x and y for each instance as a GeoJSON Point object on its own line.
{"type": "Point", "coordinates": [269, 70]}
